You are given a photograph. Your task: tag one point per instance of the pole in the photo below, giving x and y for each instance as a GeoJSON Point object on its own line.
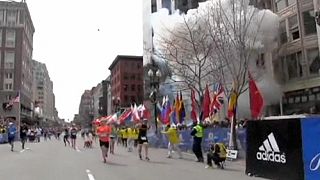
{"type": "Point", "coordinates": [281, 106]}
{"type": "Point", "coordinates": [155, 112]}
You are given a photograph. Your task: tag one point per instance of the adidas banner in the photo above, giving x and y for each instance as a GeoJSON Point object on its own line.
{"type": "Point", "coordinates": [274, 149]}
{"type": "Point", "coordinates": [311, 147]}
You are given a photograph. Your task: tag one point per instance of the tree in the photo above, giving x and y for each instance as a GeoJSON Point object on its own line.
{"type": "Point", "coordinates": [238, 32]}
{"type": "Point", "coordinates": [217, 42]}
{"type": "Point", "coordinates": [187, 49]}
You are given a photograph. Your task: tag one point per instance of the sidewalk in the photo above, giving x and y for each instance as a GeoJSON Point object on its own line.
{"type": "Point", "coordinates": [237, 165]}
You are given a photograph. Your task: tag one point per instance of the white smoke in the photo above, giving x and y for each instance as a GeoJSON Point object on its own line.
{"type": "Point", "coordinates": [163, 24]}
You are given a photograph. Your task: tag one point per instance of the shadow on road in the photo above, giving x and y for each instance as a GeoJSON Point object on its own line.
{"type": "Point", "coordinates": [116, 164]}
{"type": "Point", "coordinates": [157, 162]}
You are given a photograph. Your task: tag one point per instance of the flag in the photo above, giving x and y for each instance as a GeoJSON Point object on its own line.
{"type": "Point", "coordinates": [166, 119]}
{"type": "Point", "coordinates": [177, 108]}
{"type": "Point", "coordinates": [13, 100]}
{"type": "Point", "coordinates": [173, 113]}
{"type": "Point", "coordinates": [113, 118]}
{"type": "Point", "coordinates": [182, 112]}
{"type": "Point", "coordinates": [146, 114]}
{"type": "Point", "coordinates": [164, 106]}
{"type": "Point", "coordinates": [206, 104]}
{"type": "Point", "coordinates": [194, 110]}
{"type": "Point", "coordinates": [256, 99]}
{"type": "Point", "coordinates": [232, 104]}
{"type": "Point", "coordinates": [125, 116]}
{"type": "Point", "coordinates": [215, 105]}
{"type": "Point", "coordinates": [135, 114]}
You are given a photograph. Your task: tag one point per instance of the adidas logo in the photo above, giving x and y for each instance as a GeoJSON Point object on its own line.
{"type": "Point", "coordinates": [270, 151]}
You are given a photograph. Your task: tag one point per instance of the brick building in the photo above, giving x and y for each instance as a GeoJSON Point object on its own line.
{"type": "Point", "coordinates": [296, 62]}
{"type": "Point", "coordinates": [16, 46]}
{"type": "Point", "coordinates": [126, 81]}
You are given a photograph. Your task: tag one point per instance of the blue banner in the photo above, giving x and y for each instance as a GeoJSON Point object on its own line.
{"type": "Point", "coordinates": [311, 147]}
{"type": "Point", "coordinates": [211, 136]}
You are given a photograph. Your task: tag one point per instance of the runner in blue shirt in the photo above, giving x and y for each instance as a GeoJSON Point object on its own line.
{"type": "Point", "coordinates": [12, 130]}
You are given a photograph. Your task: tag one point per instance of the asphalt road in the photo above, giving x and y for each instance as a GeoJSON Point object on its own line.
{"type": "Point", "coordinates": [51, 160]}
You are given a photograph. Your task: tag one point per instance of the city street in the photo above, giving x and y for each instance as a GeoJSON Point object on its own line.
{"type": "Point", "coordinates": [52, 161]}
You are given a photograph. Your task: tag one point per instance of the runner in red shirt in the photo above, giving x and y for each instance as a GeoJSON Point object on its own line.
{"type": "Point", "coordinates": [104, 132]}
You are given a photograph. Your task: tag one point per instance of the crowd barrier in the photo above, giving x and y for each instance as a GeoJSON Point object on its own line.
{"type": "Point", "coordinates": [3, 138]}
{"type": "Point", "coordinates": [211, 135]}
{"type": "Point", "coordinates": [286, 149]}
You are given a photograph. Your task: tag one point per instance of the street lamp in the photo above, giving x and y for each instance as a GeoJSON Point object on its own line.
{"type": "Point", "coordinates": [116, 103]}
{"type": "Point", "coordinates": [155, 76]}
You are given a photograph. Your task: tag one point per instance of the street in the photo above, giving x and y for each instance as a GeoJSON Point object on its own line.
{"type": "Point", "coordinates": [51, 160]}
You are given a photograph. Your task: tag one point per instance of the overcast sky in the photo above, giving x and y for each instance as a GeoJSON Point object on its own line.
{"type": "Point", "coordinates": [78, 40]}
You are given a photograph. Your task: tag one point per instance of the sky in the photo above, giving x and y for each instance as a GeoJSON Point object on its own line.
{"type": "Point", "coordinates": [78, 40]}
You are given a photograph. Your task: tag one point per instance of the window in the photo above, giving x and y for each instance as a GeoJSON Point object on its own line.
{"type": "Point", "coordinates": [138, 66]}
{"type": "Point", "coordinates": [8, 86]}
{"type": "Point", "coordinates": [0, 36]}
{"type": "Point", "coordinates": [1, 17]}
{"type": "Point", "coordinates": [125, 99]}
{"type": "Point", "coordinates": [10, 38]}
{"type": "Point", "coordinates": [314, 61]}
{"type": "Point", "coordinates": [260, 61]}
{"type": "Point", "coordinates": [294, 65]}
{"type": "Point", "coordinates": [11, 17]}
{"type": "Point", "coordinates": [9, 60]}
{"type": "Point", "coordinates": [283, 32]}
{"type": "Point", "coordinates": [133, 99]}
{"type": "Point", "coordinates": [133, 87]}
{"type": "Point", "coordinates": [125, 76]}
{"type": "Point", "coordinates": [281, 4]}
{"type": "Point", "coordinates": [309, 22]}
{"type": "Point", "coordinates": [139, 88]}
{"type": "Point", "coordinates": [9, 76]}
{"type": "Point", "coordinates": [133, 77]}
{"type": "Point", "coordinates": [125, 87]}
{"type": "Point", "coordinates": [291, 2]}
{"type": "Point", "coordinates": [293, 28]}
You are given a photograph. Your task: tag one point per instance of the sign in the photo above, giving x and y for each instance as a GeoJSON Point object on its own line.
{"type": "Point", "coordinates": [274, 149]}
{"type": "Point", "coordinates": [311, 147]}
{"type": "Point", "coordinates": [232, 154]}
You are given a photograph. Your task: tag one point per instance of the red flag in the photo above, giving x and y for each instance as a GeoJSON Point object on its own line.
{"type": "Point", "coordinates": [182, 112]}
{"type": "Point", "coordinates": [206, 104]}
{"type": "Point", "coordinates": [194, 115]}
{"type": "Point", "coordinates": [215, 105]}
{"type": "Point", "coordinates": [124, 116]}
{"type": "Point", "coordinates": [146, 114]}
{"type": "Point", "coordinates": [256, 99]}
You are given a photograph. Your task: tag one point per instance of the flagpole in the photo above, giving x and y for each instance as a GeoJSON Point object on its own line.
{"type": "Point", "coordinates": [19, 113]}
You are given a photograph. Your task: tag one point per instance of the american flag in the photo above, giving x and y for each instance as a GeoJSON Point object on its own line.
{"type": "Point", "coordinates": [14, 100]}
{"type": "Point", "coordinates": [218, 94]}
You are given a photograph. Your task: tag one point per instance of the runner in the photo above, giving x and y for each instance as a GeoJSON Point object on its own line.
{"type": "Point", "coordinates": [142, 139]}
{"type": "Point", "coordinates": [104, 132]}
{"type": "Point", "coordinates": [12, 130]}
{"type": "Point", "coordinates": [73, 132]}
{"type": "Point", "coordinates": [66, 137]}
{"type": "Point", "coordinates": [113, 137]}
{"type": "Point", "coordinates": [23, 134]}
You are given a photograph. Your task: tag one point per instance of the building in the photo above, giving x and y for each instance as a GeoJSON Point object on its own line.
{"type": "Point", "coordinates": [126, 81]}
{"type": "Point", "coordinates": [105, 99]}
{"type": "Point", "coordinates": [43, 96]}
{"type": "Point", "coordinates": [96, 95]}
{"type": "Point", "coordinates": [152, 6]}
{"type": "Point", "coordinates": [86, 114]}
{"type": "Point", "coordinates": [16, 46]}
{"type": "Point", "coordinates": [296, 61]}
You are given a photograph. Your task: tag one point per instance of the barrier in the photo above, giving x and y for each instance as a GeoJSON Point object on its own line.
{"type": "Point", "coordinates": [286, 149]}
{"type": "Point", "coordinates": [211, 135]}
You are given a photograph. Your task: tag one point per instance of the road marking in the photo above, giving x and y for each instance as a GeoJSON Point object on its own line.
{"type": "Point", "coordinates": [24, 150]}
{"type": "Point", "coordinates": [90, 176]}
